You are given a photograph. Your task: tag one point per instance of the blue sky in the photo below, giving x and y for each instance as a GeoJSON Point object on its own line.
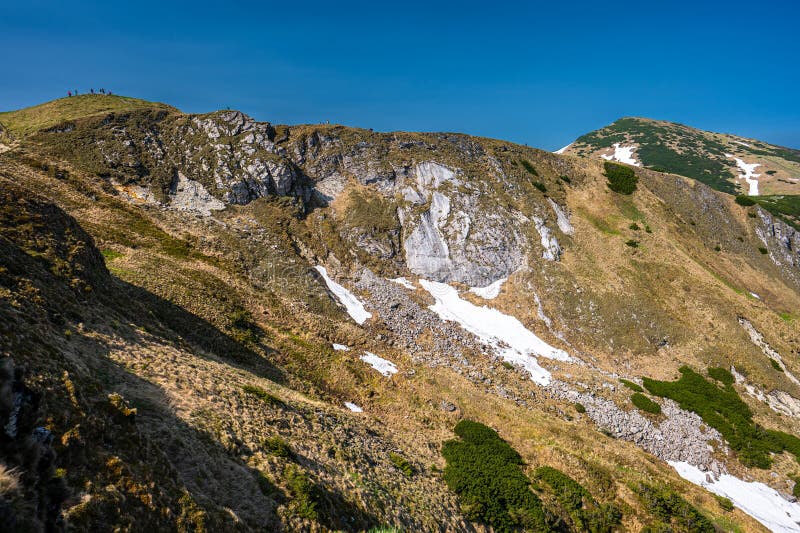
{"type": "Point", "coordinates": [530, 72]}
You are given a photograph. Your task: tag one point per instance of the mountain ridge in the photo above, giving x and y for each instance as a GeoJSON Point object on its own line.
{"type": "Point", "coordinates": [235, 350]}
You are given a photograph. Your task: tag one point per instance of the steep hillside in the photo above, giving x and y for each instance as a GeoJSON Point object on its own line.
{"type": "Point", "coordinates": [286, 324]}
{"type": "Point", "coordinates": [725, 162]}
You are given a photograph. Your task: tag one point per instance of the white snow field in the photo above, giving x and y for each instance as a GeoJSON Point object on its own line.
{"type": "Point", "coordinates": [340, 347]}
{"type": "Point", "coordinates": [505, 334]}
{"type": "Point", "coordinates": [746, 172]}
{"type": "Point", "coordinates": [353, 407]}
{"type": "Point", "coordinates": [623, 154]}
{"type": "Point", "coordinates": [404, 282]}
{"type": "Point", "coordinates": [760, 501]}
{"type": "Point", "coordinates": [491, 291]}
{"type": "Point", "coordinates": [384, 366]}
{"type": "Point", "coordinates": [562, 150]}
{"type": "Point", "coordinates": [352, 304]}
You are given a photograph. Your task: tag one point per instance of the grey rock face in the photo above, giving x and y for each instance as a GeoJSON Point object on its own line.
{"type": "Point", "coordinates": [457, 238]}
{"type": "Point", "coordinates": [189, 195]}
{"type": "Point", "coordinates": [783, 243]}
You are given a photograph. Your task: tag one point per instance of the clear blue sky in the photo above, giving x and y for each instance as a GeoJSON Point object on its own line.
{"type": "Point", "coordinates": [540, 73]}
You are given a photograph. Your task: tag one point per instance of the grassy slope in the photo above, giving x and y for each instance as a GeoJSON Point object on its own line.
{"type": "Point", "coordinates": [178, 258]}
{"type": "Point", "coordinates": [32, 119]}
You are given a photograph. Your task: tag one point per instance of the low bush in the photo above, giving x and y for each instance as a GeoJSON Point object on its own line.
{"type": "Point", "coordinates": [578, 503]}
{"type": "Point", "coordinates": [529, 167]}
{"type": "Point", "coordinates": [262, 395]}
{"type": "Point", "coordinates": [645, 404]}
{"type": "Point", "coordinates": [565, 179]}
{"type": "Point", "coordinates": [579, 407]}
{"type": "Point", "coordinates": [763, 250]}
{"type": "Point", "coordinates": [402, 464]}
{"type": "Point", "coordinates": [775, 365]}
{"type": "Point", "coordinates": [672, 512]}
{"type": "Point", "coordinates": [723, 409]}
{"type": "Point", "coordinates": [541, 186]}
{"type": "Point", "coordinates": [304, 494]}
{"type": "Point", "coordinates": [743, 199]}
{"type": "Point", "coordinates": [634, 226]}
{"type": "Point", "coordinates": [277, 446]}
{"type": "Point", "coordinates": [632, 243]}
{"type": "Point", "coordinates": [631, 385]}
{"type": "Point", "coordinates": [721, 375]}
{"type": "Point", "coordinates": [724, 502]}
{"type": "Point", "coordinates": [621, 179]}
{"type": "Point", "coordinates": [487, 475]}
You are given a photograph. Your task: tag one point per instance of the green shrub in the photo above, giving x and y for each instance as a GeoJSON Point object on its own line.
{"type": "Point", "coordinates": [671, 510]}
{"type": "Point", "coordinates": [507, 365]}
{"type": "Point", "coordinates": [647, 229]}
{"type": "Point", "coordinates": [775, 365]}
{"type": "Point", "coordinates": [723, 409]}
{"type": "Point", "coordinates": [751, 214]}
{"type": "Point", "coordinates": [277, 446]}
{"type": "Point", "coordinates": [743, 199]}
{"type": "Point", "coordinates": [402, 464]}
{"type": "Point", "coordinates": [717, 248]}
{"type": "Point", "coordinates": [724, 502]}
{"type": "Point", "coordinates": [487, 475]}
{"type": "Point", "coordinates": [110, 255]}
{"type": "Point", "coordinates": [565, 179]}
{"type": "Point", "coordinates": [631, 385]}
{"type": "Point", "coordinates": [632, 243]}
{"type": "Point", "coordinates": [262, 395]}
{"type": "Point", "coordinates": [634, 226]}
{"type": "Point", "coordinates": [579, 407]}
{"type": "Point", "coordinates": [621, 179]}
{"type": "Point", "coordinates": [529, 167]}
{"type": "Point", "coordinates": [645, 404]}
{"type": "Point", "coordinates": [721, 375]}
{"type": "Point", "coordinates": [579, 504]}
{"type": "Point", "coordinates": [304, 494]}
{"type": "Point", "coordinates": [539, 185]}
{"type": "Point", "coordinates": [763, 250]}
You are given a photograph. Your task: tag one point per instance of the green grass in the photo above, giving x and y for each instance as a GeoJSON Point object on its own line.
{"type": "Point", "coordinates": [721, 375]}
{"type": "Point", "coordinates": [278, 447]}
{"type": "Point", "coordinates": [529, 167]}
{"type": "Point", "coordinates": [721, 408]}
{"type": "Point", "coordinates": [775, 364]}
{"type": "Point", "coordinates": [32, 119]}
{"type": "Point", "coordinates": [110, 255]}
{"type": "Point", "coordinates": [743, 199]}
{"type": "Point", "coordinates": [487, 475]}
{"type": "Point", "coordinates": [645, 404]}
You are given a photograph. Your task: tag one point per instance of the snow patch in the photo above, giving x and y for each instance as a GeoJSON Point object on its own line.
{"type": "Point", "coordinates": [384, 366]}
{"type": "Point", "coordinates": [743, 144]}
{"type": "Point", "coordinates": [352, 304]}
{"type": "Point", "coordinates": [340, 347]}
{"type": "Point", "coordinates": [552, 251]}
{"type": "Point", "coordinates": [623, 154]}
{"type": "Point", "coordinates": [746, 172]}
{"type": "Point", "coordinates": [404, 282]}
{"type": "Point", "coordinates": [490, 292]}
{"type": "Point", "coordinates": [503, 333]}
{"type": "Point", "coordinates": [562, 150]}
{"type": "Point", "coordinates": [353, 407]}
{"type": "Point", "coordinates": [760, 501]}
{"type": "Point", "coordinates": [561, 218]}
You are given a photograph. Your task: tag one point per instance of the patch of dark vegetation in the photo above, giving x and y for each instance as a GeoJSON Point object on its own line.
{"type": "Point", "coordinates": [565, 179]}
{"type": "Point", "coordinates": [631, 385]}
{"type": "Point", "coordinates": [775, 364]}
{"type": "Point", "coordinates": [621, 179]}
{"type": "Point", "coordinates": [632, 243]}
{"type": "Point", "coordinates": [263, 395]}
{"type": "Point", "coordinates": [579, 407]}
{"type": "Point", "coordinates": [278, 447]}
{"type": "Point", "coordinates": [402, 464]}
{"type": "Point", "coordinates": [541, 186]}
{"type": "Point", "coordinates": [529, 167]}
{"type": "Point", "coordinates": [721, 408]}
{"type": "Point", "coordinates": [487, 475]}
{"type": "Point", "coordinates": [763, 250]}
{"type": "Point", "coordinates": [721, 375]}
{"type": "Point", "coordinates": [784, 206]}
{"type": "Point", "coordinates": [577, 503]}
{"type": "Point", "coordinates": [672, 513]}
{"type": "Point", "coordinates": [743, 199]}
{"type": "Point", "coordinates": [645, 404]}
